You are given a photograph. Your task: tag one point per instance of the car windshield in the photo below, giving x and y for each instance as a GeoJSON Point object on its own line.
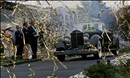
{"type": "Point", "coordinates": [94, 26]}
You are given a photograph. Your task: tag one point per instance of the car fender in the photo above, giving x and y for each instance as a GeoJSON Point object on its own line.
{"type": "Point", "coordinates": [94, 39]}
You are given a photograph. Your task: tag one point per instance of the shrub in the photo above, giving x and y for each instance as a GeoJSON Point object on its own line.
{"type": "Point", "coordinates": [102, 70]}
{"type": "Point", "coordinates": [125, 49]}
{"type": "Point", "coordinates": [125, 68]}
{"type": "Point", "coordinates": [128, 75]}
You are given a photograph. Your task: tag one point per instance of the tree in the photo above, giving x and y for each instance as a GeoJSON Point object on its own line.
{"type": "Point", "coordinates": [123, 15]}
{"type": "Point", "coordinates": [45, 22]}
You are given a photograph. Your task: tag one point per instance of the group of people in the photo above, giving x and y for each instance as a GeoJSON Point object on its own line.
{"type": "Point", "coordinates": [25, 39]}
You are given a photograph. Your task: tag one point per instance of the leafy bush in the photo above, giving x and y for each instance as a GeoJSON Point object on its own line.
{"type": "Point", "coordinates": [102, 70]}
{"type": "Point", "coordinates": [128, 75]}
{"type": "Point", "coordinates": [125, 49]}
{"type": "Point", "coordinates": [125, 68]}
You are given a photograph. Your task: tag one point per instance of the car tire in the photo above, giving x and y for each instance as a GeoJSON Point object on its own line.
{"type": "Point", "coordinates": [115, 52]}
{"type": "Point", "coordinates": [84, 56]}
{"type": "Point", "coordinates": [61, 57]}
{"type": "Point", "coordinates": [95, 41]}
{"type": "Point", "coordinates": [116, 44]}
{"type": "Point", "coordinates": [99, 47]}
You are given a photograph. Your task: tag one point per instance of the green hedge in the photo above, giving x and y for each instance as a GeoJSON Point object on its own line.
{"type": "Point", "coordinates": [103, 70]}
{"type": "Point", "coordinates": [125, 49]}
{"type": "Point", "coordinates": [125, 68]}
{"type": "Point", "coordinates": [127, 75]}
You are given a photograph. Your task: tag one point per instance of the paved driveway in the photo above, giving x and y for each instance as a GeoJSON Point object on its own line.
{"type": "Point", "coordinates": [44, 68]}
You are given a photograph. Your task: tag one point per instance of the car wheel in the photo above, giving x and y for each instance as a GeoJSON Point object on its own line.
{"type": "Point", "coordinates": [95, 41]}
{"type": "Point", "coordinates": [116, 44]}
{"type": "Point", "coordinates": [115, 52]}
{"type": "Point", "coordinates": [84, 56]}
{"type": "Point", "coordinates": [61, 57]}
{"type": "Point", "coordinates": [99, 47]}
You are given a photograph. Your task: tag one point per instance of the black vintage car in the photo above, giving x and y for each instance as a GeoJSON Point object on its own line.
{"type": "Point", "coordinates": [88, 42]}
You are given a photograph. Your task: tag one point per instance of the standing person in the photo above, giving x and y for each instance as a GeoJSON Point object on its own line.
{"type": "Point", "coordinates": [19, 42]}
{"type": "Point", "coordinates": [41, 41]}
{"type": "Point", "coordinates": [25, 32]}
{"type": "Point", "coordinates": [7, 39]}
{"type": "Point", "coordinates": [33, 39]}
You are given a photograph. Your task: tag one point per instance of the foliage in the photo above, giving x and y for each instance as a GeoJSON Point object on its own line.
{"type": "Point", "coordinates": [128, 75]}
{"type": "Point", "coordinates": [125, 68]}
{"type": "Point", "coordinates": [123, 15]}
{"type": "Point", "coordinates": [43, 23]}
{"type": "Point", "coordinates": [125, 49]}
{"type": "Point", "coordinates": [103, 70]}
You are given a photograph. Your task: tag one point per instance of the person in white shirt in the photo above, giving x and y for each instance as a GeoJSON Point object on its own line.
{"type": "Point", "coordinates": [7, 40]}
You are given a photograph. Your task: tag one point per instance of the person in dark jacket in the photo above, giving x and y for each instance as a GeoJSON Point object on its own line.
{"type": "Point", "coordinates": [33, 39]}
{"type": "Point", "coordinates": [19, 42]}
{"type": "Point", "coordinates": [25, 32]}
